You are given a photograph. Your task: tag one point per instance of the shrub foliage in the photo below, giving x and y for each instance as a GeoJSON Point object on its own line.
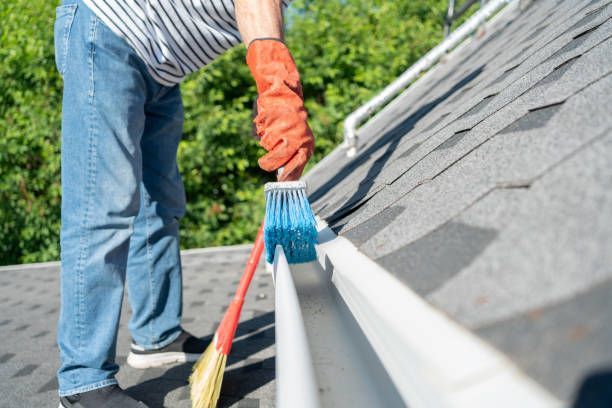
{"type": "Point", "coordinates": [346, 50]}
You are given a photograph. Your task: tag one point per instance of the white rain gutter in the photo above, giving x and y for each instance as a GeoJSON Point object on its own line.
{"type": "Point", "coordinates": [356, 118]}
{"type": "Point", "coordinates": [323, 358]}
{"type": "Point", "coordinates": [295, 384]}
{"type": "Point", "coordinates": [428, 359]}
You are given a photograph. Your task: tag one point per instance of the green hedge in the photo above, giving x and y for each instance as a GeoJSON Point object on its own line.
{"type": "Point", "coordinates": [346, 50]}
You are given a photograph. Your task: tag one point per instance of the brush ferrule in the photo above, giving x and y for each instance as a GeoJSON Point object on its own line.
{"type": "Point", "coordinates": [285, 185]}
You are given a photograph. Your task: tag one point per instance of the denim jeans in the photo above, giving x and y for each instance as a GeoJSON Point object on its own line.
{"type": "Point", "coordinates": [122, 199]}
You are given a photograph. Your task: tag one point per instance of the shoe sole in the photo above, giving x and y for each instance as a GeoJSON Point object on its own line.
{"type": "Point", "coordinates": [142, 361]}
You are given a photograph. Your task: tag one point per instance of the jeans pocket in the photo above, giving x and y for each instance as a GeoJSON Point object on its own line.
{"type": "Point", "coordinates": [64, 15]}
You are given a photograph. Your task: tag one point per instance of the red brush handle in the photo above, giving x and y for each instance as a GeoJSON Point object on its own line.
{"type": "Point", "coordinates": [249, 269]}
{"type": "Point", "coordinates": [227, 328]}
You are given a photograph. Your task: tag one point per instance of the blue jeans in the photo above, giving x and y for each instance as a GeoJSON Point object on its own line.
{"type": "Point", "coordinates": [122, 199]}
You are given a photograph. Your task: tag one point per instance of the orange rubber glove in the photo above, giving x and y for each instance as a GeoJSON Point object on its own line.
{"type": "Point", "coordinates": [281, 117]}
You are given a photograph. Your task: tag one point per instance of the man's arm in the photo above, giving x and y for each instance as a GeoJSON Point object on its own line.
{"type": "Point", "coordinates": [281, 120]}
{"type": "Point", "coordinates": [259, 19]}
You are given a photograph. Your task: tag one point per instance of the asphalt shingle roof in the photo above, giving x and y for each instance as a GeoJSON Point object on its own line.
{"type": "Point", "coordinates": [29, 358]}
{"type": "Point", "coordinates": [486, 187]}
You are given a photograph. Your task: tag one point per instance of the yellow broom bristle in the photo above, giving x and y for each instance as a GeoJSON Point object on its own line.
{"type": "Point", "coordinates": [207, 378]}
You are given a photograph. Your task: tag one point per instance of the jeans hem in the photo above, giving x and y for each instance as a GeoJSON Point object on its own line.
{"type": "Point", "coordinates": [89, 387]}
{"type": "Point", "coordinates": [161, 344]}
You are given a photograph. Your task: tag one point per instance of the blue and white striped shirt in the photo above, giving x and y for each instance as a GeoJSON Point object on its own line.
{"type": "Point", "coordinates": [173, 37]}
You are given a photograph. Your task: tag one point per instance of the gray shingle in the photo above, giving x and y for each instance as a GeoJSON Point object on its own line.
{"type": "Point", "coordinates": [29, 351]}
{"type": "Point", "coordinates": [552, 243]}
{"type": "Point", "coordinates": [574, 333]}
{"type": "Point", "coordinates": [429, 262]}
{"type": "Point", "coordinates": [535, 118]}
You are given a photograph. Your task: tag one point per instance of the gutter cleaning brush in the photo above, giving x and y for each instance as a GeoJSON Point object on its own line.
{"type": "Point", "coordinates": [289, 222]}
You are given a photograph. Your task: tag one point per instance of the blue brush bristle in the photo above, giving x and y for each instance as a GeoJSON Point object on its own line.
{"type": "Point", "coordinates": [290, 223]}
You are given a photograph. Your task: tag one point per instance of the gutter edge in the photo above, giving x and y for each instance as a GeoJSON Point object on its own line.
{"type": "Point", "coordinates": [296, 384]}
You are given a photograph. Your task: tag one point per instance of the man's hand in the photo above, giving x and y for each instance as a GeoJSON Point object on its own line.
{"type": "Point", "coordinates": [281, 121]}
{"type": "Point", "coordinates": [281, 117]}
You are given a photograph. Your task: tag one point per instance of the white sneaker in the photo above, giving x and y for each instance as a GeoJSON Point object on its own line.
{"type": "Point", "coordinates": [186, 348]}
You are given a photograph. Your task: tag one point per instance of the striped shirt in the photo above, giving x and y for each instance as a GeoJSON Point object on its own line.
{"type": "Point", "coordinates": [172, 37]}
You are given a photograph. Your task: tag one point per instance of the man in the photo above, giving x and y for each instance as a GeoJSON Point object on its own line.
{"type": "Point", "coordinates": [122, 195]}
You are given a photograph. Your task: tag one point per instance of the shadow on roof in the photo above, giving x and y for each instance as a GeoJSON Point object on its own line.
{"type": "Point", "coordinates": [390, 139]}
{"type": "Point", "coordinates": [253, 335]}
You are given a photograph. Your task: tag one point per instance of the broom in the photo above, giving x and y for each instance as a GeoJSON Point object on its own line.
{"type": "Point", "coordinates": [207, 374]}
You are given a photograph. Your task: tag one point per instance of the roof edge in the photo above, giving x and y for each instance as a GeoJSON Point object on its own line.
{"type": "Point", "coordinates": [193, 251]}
